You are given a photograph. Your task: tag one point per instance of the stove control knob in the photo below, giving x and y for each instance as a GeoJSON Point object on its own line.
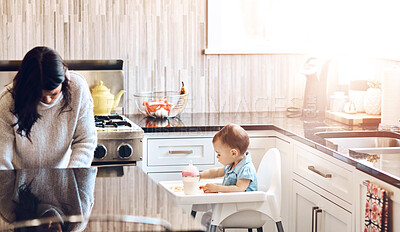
{"type": "Point", "coordinates": [125, 150]}
{"type": "Point", "coordinates": [100, 152]}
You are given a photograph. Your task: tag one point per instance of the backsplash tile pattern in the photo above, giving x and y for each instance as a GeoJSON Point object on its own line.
{"type": "Point", "coordinates": [161, 43]}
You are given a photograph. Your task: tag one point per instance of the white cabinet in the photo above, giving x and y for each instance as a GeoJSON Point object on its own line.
{"type": "Point", "coordinates": [180, 151]}
{"type": "Point", "coordinates": [332, 175]}
{"type": "Point", "coordinates": [259, 146]}
{"type": "Point", "coordinates": [322, 192]}
{"type": "Point", "coordinates": [313, 212]}
{"type": "Point", "coordinates": [165, 155]}
{"type": "Point", "coordinates": [285, 147]}
{"type": "Point", "coordinates": [394, 202]}
{"type": "Point", "coordinates": [310, 178]}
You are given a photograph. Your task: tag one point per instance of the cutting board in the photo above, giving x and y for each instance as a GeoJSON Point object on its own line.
{"type": "Point", "coordinates": [353, 119]}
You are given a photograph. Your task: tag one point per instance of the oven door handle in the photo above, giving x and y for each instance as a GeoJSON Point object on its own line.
{"type": "Point", "coordinates": [180, 152]}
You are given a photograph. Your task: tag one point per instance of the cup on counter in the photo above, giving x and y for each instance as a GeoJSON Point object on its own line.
{"type": "Point", "coordinates": [190, 179]}
{"type": "Point", "coordinates": [338, 99]}
{"type": "Point", "coordinates": [357, 97]}
{"type": "Point", "coordinates": [357, 90]}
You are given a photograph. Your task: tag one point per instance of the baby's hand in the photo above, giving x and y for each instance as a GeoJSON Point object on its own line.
{"type": "Point", "coordinates": [210, 188]}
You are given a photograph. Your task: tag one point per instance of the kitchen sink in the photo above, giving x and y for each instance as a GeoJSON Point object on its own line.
{"type": "Point", "coordinates": [353, 134]}
{"type": "Point", "coordinates": [365, 142]}
{"type": "Point", "coordinates": [362, 142]}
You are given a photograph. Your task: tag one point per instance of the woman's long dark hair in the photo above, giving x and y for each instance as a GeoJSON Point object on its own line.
{"type": "Point", "coordinates": [27, 208]}
{"type": "Point", "coordinates": [41, 69]}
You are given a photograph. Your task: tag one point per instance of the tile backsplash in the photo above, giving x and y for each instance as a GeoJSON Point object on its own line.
{"type": "Point", "coordinates": [161, 44]}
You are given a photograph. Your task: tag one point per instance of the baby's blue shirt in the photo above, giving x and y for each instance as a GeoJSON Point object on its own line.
{"type": "Point", "coordinates": [243, 170]}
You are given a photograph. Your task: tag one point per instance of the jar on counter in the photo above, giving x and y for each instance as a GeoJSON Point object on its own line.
{"type": "Point", "coordinates": [357, 91]}
{"type": "Point", "coordinates": [337, 101]}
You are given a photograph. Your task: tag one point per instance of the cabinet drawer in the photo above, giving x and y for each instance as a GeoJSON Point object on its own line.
{"type": "Point", "coordinates": [324, 173]}
{"type": "Point", "coordinates": [164, 152]}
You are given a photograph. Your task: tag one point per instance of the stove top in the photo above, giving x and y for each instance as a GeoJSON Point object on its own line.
{"type": "Point", "coordinates": [115, 122]}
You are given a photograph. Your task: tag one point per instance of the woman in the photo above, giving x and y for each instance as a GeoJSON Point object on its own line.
{"type": "Point", "coordinates": [46, 116]}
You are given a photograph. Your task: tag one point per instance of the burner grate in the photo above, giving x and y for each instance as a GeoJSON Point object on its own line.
{"type": "Point", "coordinates": [108, 117]}
{"type": "Point", "coordinates": [113, 120]}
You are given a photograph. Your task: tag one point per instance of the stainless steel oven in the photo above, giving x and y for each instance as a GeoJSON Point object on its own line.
{"type": "Point", "coordinates": [119, 140]}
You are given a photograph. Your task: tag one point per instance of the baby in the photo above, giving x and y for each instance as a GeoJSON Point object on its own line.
{"type": "Point", "coordinates": [230, 144]}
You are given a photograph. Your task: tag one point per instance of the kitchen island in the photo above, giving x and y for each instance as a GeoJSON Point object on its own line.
{"type": "Point", "coordinates": [120, 198]}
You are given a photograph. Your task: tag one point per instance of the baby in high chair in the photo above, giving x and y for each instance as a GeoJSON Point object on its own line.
{"type": "Point", "coordinates": [230, 144]}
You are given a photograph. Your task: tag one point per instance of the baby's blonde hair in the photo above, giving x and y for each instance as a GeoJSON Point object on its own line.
{"type": "Point", "coordinates": [233, 136]}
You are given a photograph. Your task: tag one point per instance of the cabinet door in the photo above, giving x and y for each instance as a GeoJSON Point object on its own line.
{"type": "Point", "coordinates": [286, 150]}
{"type": "Point", "coordinates": [304, 200]}
{"type": "Point", "coordinates": [258, 147]}
{"type": "Point", "coordinates": [312, 212]}
{"type": "Point", "coordinates": [333, 217]}
{"type": "Point", "coordinates": [394, 202]}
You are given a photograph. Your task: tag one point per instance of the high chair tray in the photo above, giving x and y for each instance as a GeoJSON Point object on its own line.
{"type": "Point", "coordinates": [176, 189]}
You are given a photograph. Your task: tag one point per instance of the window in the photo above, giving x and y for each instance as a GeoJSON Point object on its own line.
{"type": "Point", "coordinates": [304, 26]}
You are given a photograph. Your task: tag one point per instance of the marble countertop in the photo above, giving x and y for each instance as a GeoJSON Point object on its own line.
{"type": "Point", "coordinates": [303, 129]}
{"type": "Point", "coordinates": [118, 198]}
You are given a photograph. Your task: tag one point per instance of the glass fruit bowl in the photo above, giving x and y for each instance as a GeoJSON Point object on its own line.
{"type": "Point", "coordinates": [161, 104]}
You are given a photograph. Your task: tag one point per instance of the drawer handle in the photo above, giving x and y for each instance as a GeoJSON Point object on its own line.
{"type": "Point", "coordinates": [313, 169]}
{"type": "Point", "coordinates": [184, 152]}
{"type": "Point", "coordinates": [316, 218]}
{"type": "Point", "coordinates": [313, 218]}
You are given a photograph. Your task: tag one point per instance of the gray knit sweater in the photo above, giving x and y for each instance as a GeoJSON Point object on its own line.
{"type": "Point", "coordinates": [58, 140]}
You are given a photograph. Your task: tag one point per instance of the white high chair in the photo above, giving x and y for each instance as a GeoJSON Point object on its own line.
{"type": "Point", "coordinates": [254, 214]}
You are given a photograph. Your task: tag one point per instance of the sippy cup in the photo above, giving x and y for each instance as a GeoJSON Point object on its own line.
{"type": "Point", "coordinates": [190, 179]}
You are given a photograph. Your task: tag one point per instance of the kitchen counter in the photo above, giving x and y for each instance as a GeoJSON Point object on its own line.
{"type": "Point", "coordinates": [303, 129]}
{"type": "Point", "coordinates": [102, 194]}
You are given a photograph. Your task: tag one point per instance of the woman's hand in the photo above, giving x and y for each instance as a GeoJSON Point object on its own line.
{"type": "Point", "coordinates": [210, 188]}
